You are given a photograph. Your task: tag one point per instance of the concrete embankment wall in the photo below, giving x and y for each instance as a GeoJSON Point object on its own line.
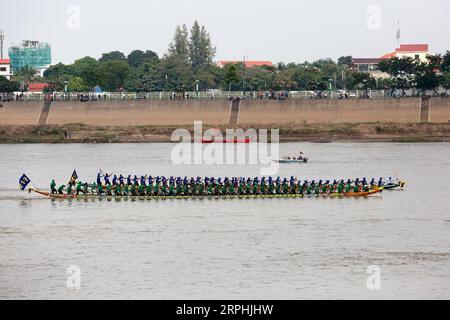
{"type": "Point", "coordinates": [439, 110]}
{"type": "Point", "coordinates": [128, 113]}
{"type": "Point", "coordinates": [330, 111]}
{"type": "Point", "coordinates": [20, 113]}
{"type": "Point", "coordinates": [217, 112]}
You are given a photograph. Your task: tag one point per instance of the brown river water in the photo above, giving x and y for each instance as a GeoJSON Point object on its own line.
{"type": "Point", "coordinates": [227, 249]}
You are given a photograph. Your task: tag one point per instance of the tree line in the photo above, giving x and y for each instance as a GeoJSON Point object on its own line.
{"type": "Point", "coordinates": [189, 62]}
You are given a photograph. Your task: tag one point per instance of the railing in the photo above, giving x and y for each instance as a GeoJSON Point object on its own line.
{"type": "Point", "coordinates": [218, 95]}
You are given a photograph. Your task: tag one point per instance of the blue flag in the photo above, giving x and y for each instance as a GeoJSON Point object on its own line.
{"type": "Point", "coordinates": [24, 181]}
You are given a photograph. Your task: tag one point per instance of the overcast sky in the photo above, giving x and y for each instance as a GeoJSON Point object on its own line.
{"type": "Point", "coordinates": [282, 30]}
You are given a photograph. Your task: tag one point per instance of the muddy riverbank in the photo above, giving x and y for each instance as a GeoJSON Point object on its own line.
{"type": "Point", "coordinates": [363, 132]}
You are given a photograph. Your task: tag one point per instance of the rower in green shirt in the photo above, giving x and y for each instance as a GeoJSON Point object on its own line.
{"type": "Point", "coordinates": [100, 189]}
{"type": "Point", "coordinates": [149, 190]}
{"type": "Point", "coordinates": [210, 189]}
{"type": "Point", "coordinates": [141, 190]}
{"type": "Point", "coordinates": [124, 190]}
{"type": "Point", "coordinates": [317, 189]}
{"type": "Point", "coordinates": [94, 188]}
{"type": "Point", "coordinates": [348, 188]}
{"type": "Point", "coordinates": [271, 188]}
{"type": "Point", "coordinates": [53, 187]}
{"type": "Point", "coordinates": [241, 189]}
{"type": "Point", "coordinates": [108, 189]}
{"type": "Point", "coordinates": [69, 188]}
{"type": "Point", "coordinates": [264, 189]}
{"type": "Point", "coordinates": [78, 188]}
{"type": "Point", "coordinates": [61, 189]}
{"type": "Point", "coordinates": [85, 188]}
{"type": "Point", "coordinates": [201, 189]}
{"type": "Point", "coordinates": [117, 191]}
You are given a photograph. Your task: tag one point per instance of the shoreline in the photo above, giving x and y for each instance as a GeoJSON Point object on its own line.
{"type": "Point", "coordinates": [315, 133]}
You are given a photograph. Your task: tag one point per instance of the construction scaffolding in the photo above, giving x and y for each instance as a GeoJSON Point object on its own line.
{"type": "Point", "coordinates": [33, 54]}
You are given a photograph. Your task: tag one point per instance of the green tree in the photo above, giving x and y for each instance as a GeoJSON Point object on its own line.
{"type": "Point", "coordinates": [260, 78]}
{"type": "Point", "coordinates": [232, 77]}
{"type": "Point", "coordinates": [345, 60]}
{"type": "Point", "coordinates": [402, 72]}
{"type": "Point", "coordinates": [284, 79]}
{"type": "Point", "coordinates": [139, 57]}
{"type": "Point", "coordinates": [77, 84]}
{"type": "Point", "coordinates": [445, 64]}
{"type": "Point", "coordinates": [180, 43]}
{"type": "Point", "coordinates": [7, 86]}
{"type": "Point", "coordinates": [427, 73]}
{"type": "Point", "coordinates": [363, 80]}
{"type": "Point", "coordinates": [115, 74]}
{"type": "Point", "coordinates": [445, 80]}
{"type": "Point", "coordinates": [89, 69]}
{"type": "Point", "coordinates": [174, 73]}
{"type": "Point", "coordinates": [135, 58]}
{"type": "Point", "coordinates": [112, 56]}
{"type": "Point", "coordinates": [201, 51]}
{"type": "Point", "coordinates": [209, 76]}
{"type": "Point", "coordinates": [26, 74]}
{"type": "Point", "coordinates": [309, 77]}
{"type": "Point", "coordinates": [58, 72]}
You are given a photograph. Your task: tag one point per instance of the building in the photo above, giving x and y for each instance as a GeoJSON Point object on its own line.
{"type": "Point", "coordinates": [248, 64]}
{"type": "Point", "coordinates": [37, 87]}
{"type": "Point", "coordinates": [370, 65]}
{"type": "Point", "coordinates": [5, 68]}
{"type": "Point", "coordinates": [415, 51]}
{"type": "Point", "coordinates": [33, 54]}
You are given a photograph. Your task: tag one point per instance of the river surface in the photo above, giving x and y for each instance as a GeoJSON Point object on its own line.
{"type": "Point", "coordinates": [227, 249]}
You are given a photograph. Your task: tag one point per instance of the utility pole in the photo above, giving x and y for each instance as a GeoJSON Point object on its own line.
{"type": "Point", "coordinates": [2, 38]}
{"type": "Point", "coordinates": [244, 84]}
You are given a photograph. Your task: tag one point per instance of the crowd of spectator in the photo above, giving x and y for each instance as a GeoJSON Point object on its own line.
{"type": "Point", "coordinates": [211, 95]}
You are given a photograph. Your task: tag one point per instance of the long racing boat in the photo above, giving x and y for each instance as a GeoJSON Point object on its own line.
{"type": "Point", "coordinates": [237, 196]}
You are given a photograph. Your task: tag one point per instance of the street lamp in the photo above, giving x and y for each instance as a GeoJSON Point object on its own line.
{"type": "Point", "coordinates": [165, 85]}
{"type": "Point", "coordinates": [365, 88]}
{"type": "Point", "coordinates": [330, 86]}
{"type": "Point", "coordinates": [197, 82]}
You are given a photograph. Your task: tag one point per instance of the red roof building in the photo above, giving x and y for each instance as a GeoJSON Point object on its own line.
{"type": "Point", "coordinates": [416, 51]}
{"type": "Point", "coordinates": [413, 48]}
{"type": "Point", "coordinates": [248, 64]}
{"type": "Point", "coordinates": [388, 56]}
{"type": "Point", "coordinates": [37, 87]}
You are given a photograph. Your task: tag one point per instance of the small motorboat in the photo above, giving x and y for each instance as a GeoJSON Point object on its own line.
{"type": "Point", "coordinates": [293, 160]}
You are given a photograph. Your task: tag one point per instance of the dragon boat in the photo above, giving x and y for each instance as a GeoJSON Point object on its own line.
{"type": "Point", "coordinates": [82, 196]}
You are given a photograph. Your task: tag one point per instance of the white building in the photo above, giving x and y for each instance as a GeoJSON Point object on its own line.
{"type": "Point", "coordinates": [370, 65]}
{"type": "Point", "coordinates": [415, 51]}
{"type": "Point", "coordinates": [5, 68]}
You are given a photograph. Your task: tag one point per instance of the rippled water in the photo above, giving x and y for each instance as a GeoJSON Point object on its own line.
{"type": "Point", "coordinates": [222, 249]}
